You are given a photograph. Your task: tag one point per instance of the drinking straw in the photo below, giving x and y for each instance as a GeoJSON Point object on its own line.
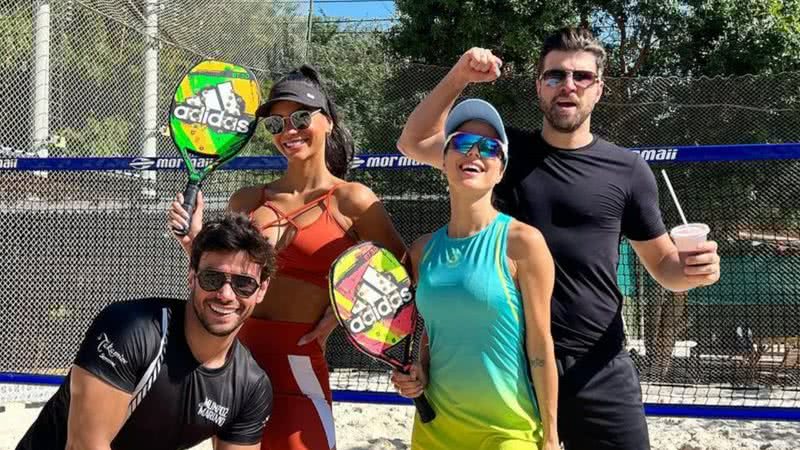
{"type": "Point", "coordinates": [674, 197]}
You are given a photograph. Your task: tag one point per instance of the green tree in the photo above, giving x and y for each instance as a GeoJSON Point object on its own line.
{"type": "Point", "coordinates": [643, 37]}
{"type": "Point", "coordinates": [16, 35]}
{"type": "Point", "coordinates": [16, 73]}
{"type": "Point", "coordinates": [97, 52]}
{"type": "Point", "coordinates": [439, 31]}
{"type": "Point", "coordinates": [741, 37]}
{"type": "Point", "coordinates": [371, 88]}
{"type": "Point", "coordinates": [640, 36]}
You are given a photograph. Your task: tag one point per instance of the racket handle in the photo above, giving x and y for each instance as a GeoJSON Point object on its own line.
{"type": "Point", "coordinates": [189, 200]}
{"type": "Point", "coordinates": [426, 412]}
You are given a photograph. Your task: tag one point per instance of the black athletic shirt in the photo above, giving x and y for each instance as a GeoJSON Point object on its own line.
{"type": "Point", "coordinates": [186, 404]}
{"type": "Point", "coordinates": [582, 201]}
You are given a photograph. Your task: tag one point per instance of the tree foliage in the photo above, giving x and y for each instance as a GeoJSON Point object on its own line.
{"type": "Point", "coordinates": [16, 70]}
{"type": "Point", "coordinates": [363, 80]}
{"type": "Point", "coordinates": [439, 31]}
{"type": "Point", "coordinates": [97, 63]}
{"type": "Point", "coordinates": [643, 37]}
{"type": "Point", "coordinates": [725, 37]}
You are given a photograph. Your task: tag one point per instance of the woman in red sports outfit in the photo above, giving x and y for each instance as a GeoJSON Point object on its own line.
{"type": "Point", "coordinates": [311, 215]}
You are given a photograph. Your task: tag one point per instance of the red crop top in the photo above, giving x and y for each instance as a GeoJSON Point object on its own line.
{"type": "Point", "coordinates": [312, 250]}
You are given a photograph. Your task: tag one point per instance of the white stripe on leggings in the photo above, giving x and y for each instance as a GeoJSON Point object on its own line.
{"type": "Point", "coordinates": [309, 385]}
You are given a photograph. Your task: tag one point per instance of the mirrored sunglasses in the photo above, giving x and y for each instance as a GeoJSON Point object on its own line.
{"type": "Point", "coordinates": [487, 147]}
{"type": "Point", "coordinates": [582, 78]}
{"type": "Point", "coordinates": [213, 280]}
{"type": "Point", "coordinates": [300, 120]}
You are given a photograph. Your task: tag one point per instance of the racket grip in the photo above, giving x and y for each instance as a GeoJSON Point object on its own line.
{"type": "Point", "coordinates": [426, 412]}
{"type": "Point", "coordinates": [189, 201]}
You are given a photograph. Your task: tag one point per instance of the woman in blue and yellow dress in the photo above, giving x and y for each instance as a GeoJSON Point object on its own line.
{"type": "Point", "coordinates": [484, 286]}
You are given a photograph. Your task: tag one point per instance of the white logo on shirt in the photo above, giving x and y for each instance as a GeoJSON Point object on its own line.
{"type": "Point", "coordinates": [107, 352]}
{"type": "Point", "coordinates": [453, 256]}
{"type": "Point", "coordinates": [210, 410]}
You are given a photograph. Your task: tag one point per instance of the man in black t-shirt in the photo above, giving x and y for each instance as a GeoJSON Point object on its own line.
{"type": "Point", "coordinates": [167, 374]}
{"type": "Point", "coordinates": [583, 193]}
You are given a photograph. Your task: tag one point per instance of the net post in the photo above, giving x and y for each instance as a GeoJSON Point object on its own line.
{"type": "Point", "coordinates": [41, 82]}
{"type": "Point", "coordinates": [150, 93]}
{"type": "Point", "coordinates": [308, 26]}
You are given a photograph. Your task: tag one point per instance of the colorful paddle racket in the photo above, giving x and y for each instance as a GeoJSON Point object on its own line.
{"type": "Point", "coordinates": [212, 117]}
{"type": "Point", "coordinates": [372, 297]}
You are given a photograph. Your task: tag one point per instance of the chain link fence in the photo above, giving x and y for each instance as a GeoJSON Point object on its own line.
{"type": "Point", "coordinates": [634, 112]}
{"type": "Point", "coordinates": [76, 71]}
{"type": "Point", "coordinates": [73, 241]}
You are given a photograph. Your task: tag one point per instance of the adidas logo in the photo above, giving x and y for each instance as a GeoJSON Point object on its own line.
{"type": "Point", "coordinates": [377, 297]}
{"type": "Point", "coordinates": [218, 108]}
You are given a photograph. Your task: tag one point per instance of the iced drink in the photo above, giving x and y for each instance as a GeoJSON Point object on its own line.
{"type": "Point", "coordinates": [688, 237]}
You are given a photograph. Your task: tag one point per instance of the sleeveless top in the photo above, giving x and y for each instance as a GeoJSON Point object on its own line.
{"type": "Point", "coordinates": [314, 247]}
{"type": "Point", "coordinates": [479, 382]}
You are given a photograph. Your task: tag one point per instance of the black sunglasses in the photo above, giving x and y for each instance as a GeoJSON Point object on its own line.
{"type": "Point", "coordinates": [582, 78]}
{"type": "Point", "coordinates": [300, 119]}
{"type": "Point", "coordinates": [213, 280]}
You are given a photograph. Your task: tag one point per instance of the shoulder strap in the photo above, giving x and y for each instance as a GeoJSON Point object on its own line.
{"type": "Point", "coordinates": [431, 244]}
{"type": "Point", "coordinates": [261, 200]}
{"type": "Point", "coordinates": [323, 200]}
{"type": "Point", "coordinates": [326, 199]}
{"type": "Point", "coordinates": [151, 374]}
{"type": "Point", "coordinates": [280, 215]}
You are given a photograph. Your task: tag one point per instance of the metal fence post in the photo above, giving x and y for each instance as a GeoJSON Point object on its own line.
{"type": "Point", "coordinates": [150, 92]}
{"type": "Point", "coordinates": [41, 81]}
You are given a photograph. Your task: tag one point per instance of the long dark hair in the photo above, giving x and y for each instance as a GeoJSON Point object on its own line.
{"type": "Point", "coordinates": [339, 146]}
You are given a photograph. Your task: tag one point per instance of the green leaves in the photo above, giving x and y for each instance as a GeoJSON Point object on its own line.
{"type": "Point", "coordinates": [726, 37]}
{"type": "Point", "coordinates": [106, 136]}
{"type": "Point", "coordinates": [644, 37]}
{"type": "Point", "coordinates": [439, 31]}
{"type": "Point", "coordinates": [16, 36]}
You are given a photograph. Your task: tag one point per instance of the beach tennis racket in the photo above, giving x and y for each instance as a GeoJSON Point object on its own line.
{"type": "Point", "coordinates": [212, 116]}
{"type": "Point", "coordinates": [372, 297]}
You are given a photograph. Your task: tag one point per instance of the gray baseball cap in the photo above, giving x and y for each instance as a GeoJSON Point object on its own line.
{"type": "Point", "coordinates": [476, 109]}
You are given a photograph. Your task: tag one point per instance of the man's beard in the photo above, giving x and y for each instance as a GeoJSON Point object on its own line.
{"type": "Point", "coordinates": [207, 326]}
{"type": "Point", "coordinates": [561, 123]}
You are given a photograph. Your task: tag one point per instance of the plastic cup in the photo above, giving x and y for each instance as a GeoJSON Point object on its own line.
{"type": "Point", "coordinates": [687, 237]}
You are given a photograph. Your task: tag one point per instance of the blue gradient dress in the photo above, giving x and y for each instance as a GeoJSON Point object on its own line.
{"type": "Point", "coordinates": [479, 382]}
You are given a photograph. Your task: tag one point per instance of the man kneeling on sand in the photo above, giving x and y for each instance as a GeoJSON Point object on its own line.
{"type": "Point", "coordinates": [167, 373]}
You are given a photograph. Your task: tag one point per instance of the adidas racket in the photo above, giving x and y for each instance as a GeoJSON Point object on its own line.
{"type": "Point", "coordinates": [212, 117]}
{"type": "Point", "coordinates": [372, 297]}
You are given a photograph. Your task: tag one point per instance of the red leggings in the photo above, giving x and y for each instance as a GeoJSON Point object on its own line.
{"type": "Point", "coordinates": [301, 417]}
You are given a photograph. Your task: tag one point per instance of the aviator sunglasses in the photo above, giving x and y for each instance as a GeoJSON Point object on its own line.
{"type": "Point", "coordinates": [582, 78]}
{"type": "Point", "coordinates": [213, 280]}
{"type": "Point", "coordinates": [487, 147]}
{"type": "Point", "coordinates": [300, 120]}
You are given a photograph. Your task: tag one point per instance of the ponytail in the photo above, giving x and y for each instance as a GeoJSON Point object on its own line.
{"type": "Point", "coordinates": [339, 146]}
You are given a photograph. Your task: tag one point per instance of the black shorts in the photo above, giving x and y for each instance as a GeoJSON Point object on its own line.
{"type": "Point", "coordinates": [600, 403]}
